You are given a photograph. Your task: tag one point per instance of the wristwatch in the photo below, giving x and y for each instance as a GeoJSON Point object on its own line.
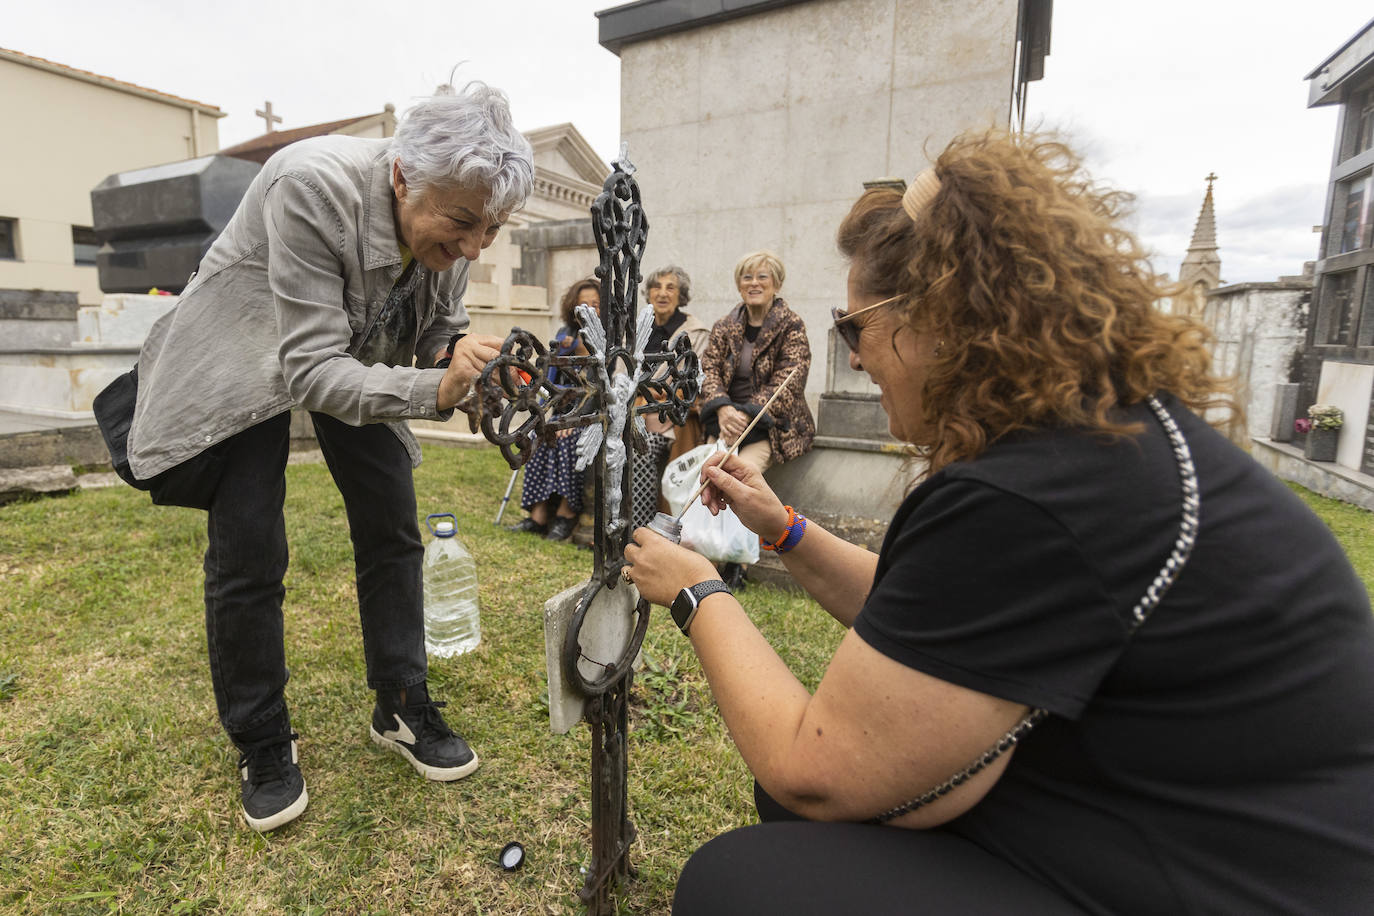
{"type": "Point", "coordinates": [685, 604]}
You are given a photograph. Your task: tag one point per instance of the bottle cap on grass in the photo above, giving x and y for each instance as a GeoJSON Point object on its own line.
{"type": "Point", "coordinates": [512, 857]}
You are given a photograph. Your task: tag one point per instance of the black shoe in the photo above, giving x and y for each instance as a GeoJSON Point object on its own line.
{"type": "Point", "coordinates": [271, 785]}
{"type": "Point", "coordinates": [733, 575]}
{"type": "Point", "coordinates": [561, 528]}
{"type": "Point", "coordinates": [419, 733]}
{"type": "Point", "coordinates": [529, 525]}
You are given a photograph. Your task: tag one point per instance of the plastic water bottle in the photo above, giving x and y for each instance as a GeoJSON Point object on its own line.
{"type": "Point", "coordinates": [452, 617]}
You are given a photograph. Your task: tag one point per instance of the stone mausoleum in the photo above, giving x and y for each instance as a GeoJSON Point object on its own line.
{"type": "Point", "coordinates": [756, 124]}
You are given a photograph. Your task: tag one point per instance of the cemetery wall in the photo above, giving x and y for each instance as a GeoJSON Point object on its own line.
{"type": "Point", "coordinates": [1257, 329]}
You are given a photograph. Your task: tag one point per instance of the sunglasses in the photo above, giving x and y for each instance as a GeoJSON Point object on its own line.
{"type": "Point", "coordinates": [849, 333]}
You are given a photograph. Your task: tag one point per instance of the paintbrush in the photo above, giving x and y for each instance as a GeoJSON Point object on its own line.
{"type": "Point", "coordinates": [734, 449]}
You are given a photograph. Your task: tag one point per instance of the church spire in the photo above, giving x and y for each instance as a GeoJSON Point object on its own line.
{"type": "Point", "coordinates": [1201, 269]}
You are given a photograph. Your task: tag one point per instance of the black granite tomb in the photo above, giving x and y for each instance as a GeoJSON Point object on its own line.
{"type": "Point", "coordinates": [155, 224]}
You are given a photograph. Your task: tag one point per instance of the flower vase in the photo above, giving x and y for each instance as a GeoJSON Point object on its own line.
{"type": "Point", "coordinates": [1321, 444]}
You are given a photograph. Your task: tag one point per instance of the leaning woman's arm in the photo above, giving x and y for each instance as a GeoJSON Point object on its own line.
{"type": "Point", "coordinates": [305, 271]}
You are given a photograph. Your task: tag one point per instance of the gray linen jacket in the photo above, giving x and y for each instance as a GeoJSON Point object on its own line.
{"type": "Point", "coordinates": [279, 304]}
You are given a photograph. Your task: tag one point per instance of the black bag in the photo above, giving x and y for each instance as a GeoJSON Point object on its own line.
{"type": "Point", "coordinates": [191, 483]}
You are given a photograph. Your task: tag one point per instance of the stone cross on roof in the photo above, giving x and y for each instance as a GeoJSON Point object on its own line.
{"type": "Point", "coordinates": [267, 116]}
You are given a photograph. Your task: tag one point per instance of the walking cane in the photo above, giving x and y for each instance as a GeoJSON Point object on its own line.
{"type": "Point", "coordinates": [505, 499]}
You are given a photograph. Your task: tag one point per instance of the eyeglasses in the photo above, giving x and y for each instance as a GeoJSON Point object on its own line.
{"type": "Point", "coordinates": [849, 333]}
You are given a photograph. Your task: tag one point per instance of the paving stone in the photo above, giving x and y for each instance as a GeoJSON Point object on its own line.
{"type": "Point", "coordinates": [99, 481]}
{"type": "Point", "coordinates": [16, 483]}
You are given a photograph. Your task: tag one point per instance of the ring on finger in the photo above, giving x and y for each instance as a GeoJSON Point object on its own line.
{"type": "Point", "coordinates": [625, 574]}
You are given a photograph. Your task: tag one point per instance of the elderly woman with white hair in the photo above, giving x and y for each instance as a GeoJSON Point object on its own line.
{"type": "Point", "coordinates": [667, 291]}
{"type": "Point", "coordinates": [336, 288]}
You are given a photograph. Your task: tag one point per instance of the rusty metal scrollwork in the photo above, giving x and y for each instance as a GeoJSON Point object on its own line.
{"type": "Point", "coordinates": [521, 406]}
{"type": "Point", "coordinates": [527, 395]}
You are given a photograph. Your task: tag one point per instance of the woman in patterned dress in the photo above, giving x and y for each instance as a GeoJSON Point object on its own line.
{"type": "Point", "coordinates": [552, 490]}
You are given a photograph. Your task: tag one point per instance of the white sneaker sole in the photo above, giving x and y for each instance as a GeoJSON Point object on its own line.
{"type": "Point", "coordinates": [438, 774]}
{"type": "Point", "coordinates": [284, 816]}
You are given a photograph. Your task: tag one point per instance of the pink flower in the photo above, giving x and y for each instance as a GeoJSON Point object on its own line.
{"type": "Point", "coordinates": [1302, 425]}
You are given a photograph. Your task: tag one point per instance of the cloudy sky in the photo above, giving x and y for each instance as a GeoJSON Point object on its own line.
{"type": "Point", "coordinates": [1155, 95]}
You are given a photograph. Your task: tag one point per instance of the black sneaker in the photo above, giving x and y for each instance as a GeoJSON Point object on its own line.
{"type": "Point", "coordinates": [419, 733]}
{"type": "Point", "coordinates": [529, 526]}
{"type": "Point", "coordinates": [561, 528]}
{"type": "Point", "coordinates": [734, 576]}
{"type": "Point", "coordinates": [271, 784]}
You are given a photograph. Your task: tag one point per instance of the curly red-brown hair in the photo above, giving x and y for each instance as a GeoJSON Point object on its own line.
{"type": "Point", "coordinates": [1043, 304]}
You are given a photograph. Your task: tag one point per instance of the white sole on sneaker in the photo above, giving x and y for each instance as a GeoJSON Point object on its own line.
{"type": "Point", "coordinates": [284, 816]}
{"type": "Point", "coordinates": [438, 774]}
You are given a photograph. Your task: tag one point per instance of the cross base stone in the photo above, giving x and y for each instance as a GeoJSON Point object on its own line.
{"type": "Point", "coordinates": [606, 631]}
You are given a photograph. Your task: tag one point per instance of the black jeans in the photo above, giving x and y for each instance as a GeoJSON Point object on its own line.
{"type": "Point", "coordinates": [246, 561]}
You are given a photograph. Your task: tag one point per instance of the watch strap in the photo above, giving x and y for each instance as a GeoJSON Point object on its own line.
{"type": "Point", "coordinates": [685, 606]}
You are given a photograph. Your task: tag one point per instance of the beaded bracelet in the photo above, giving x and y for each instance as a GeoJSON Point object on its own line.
{"type": "Point", "coordinates": [791, 535]}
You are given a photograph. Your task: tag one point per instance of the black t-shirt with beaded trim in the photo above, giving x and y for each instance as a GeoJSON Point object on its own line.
{"type": "Point", "coordinates": [1219, 760]}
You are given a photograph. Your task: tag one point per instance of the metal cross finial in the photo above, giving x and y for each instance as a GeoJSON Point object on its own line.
{"type": "Point", "coordinates": [528, 394]}
{"type": "Point", "coordinates": [1211, 177]}
{"type": "Point", "coordinates": [267, 116]}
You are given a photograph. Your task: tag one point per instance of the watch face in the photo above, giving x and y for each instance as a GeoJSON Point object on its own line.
{"type": "Point", "coordinates": [682, 605]}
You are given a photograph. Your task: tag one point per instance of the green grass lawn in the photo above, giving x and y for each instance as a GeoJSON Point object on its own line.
{"type": "Point", "coordinates": [120, 792]}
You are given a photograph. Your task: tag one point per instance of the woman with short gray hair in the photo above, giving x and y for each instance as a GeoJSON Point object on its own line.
{"type": "Point", "coordinates": [466, 141]}
{"type": "Point", "coordinates": [337, 287]}
{"type": "Point", "coordinates": [667, 291]}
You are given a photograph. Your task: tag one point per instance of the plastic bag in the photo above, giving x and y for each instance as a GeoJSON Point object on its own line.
{"type": "Point", "coordinates": [683, 474]}
{"type": "Point", "coordinates": [721, 538]}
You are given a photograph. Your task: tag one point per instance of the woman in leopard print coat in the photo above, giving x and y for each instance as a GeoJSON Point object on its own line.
{"type": "Point", "coordinates": [752, 351]}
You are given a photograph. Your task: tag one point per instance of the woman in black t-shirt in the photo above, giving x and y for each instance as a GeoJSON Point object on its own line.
{"type": "Point", "coordinates": [1104, 662]}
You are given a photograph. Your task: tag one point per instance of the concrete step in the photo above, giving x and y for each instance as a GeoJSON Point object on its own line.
{"type": "Point", "coordinates": [37, 305]}
{"type": "Point", "coordinates": [28, 441]}
{"type": "Point", "coordinates": [37, 318]}
{"type": "Point", "coordinates": [852, 417]}
{"type": "Point", "coordinates": [60, 381]}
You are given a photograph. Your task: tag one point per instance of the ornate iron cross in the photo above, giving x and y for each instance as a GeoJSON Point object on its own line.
{"type": "Point", "coordinates": [525, 400]}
